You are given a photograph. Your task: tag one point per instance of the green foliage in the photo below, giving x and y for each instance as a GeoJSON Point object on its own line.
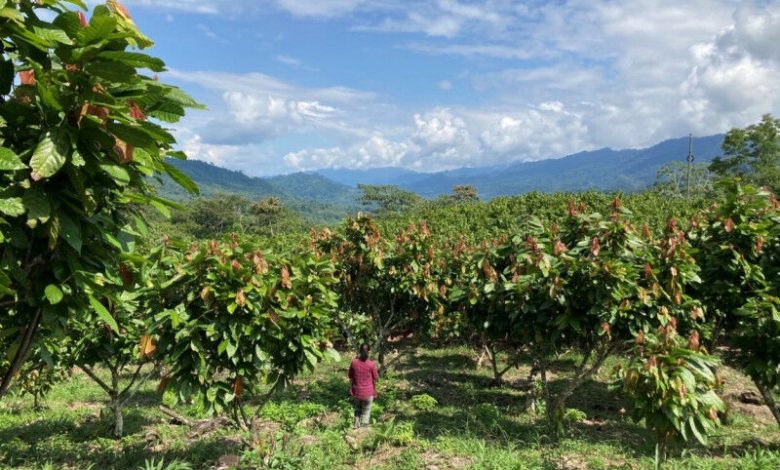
{"type": "Point", "coordinates": [208, 218]}
{"type": "Point", "coordinates": [76, 152]}
{"type": "Point", "coordinates": [291, 413]}
{"type": "Point", "coordinates": [424, 402]}
{"type": "Point", "coordinates": [573, 415]}
{"type": "Point", "coordinates": [752, 153]}
{"type": "Point", "coordinates": [161, 465]}
{"type": "Point", "coordinates": [387, 199]}
{"type": "Point", "coordinates": [391, 432]}
{"type": "Point", "coordinates": [672, 385]}
{"type": "Point", "coordinates": [234, 318]}
{"type": "Point", "coordinates": [394, 283]}
{"type": "Point", "coordinates": [738, 242]}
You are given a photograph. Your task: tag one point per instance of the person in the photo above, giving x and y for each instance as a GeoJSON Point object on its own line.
{"type": "Point", "coordinates": [363, 375]}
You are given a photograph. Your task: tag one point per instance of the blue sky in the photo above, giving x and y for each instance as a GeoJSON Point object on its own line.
{"type": "Point", "coordinates": [297, 85]}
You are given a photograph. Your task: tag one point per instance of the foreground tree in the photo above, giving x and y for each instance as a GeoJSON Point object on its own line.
{"type": "Point", "coordinates": [738, 244]}
{"type": "Point", "coordinates": [588, 285]}
{"type": "Point", "coordinates": [76, 152]}
{"type": "Point", "coordinates": [234, 320]}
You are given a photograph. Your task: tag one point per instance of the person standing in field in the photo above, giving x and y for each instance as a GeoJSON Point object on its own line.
{"type": "Point", "coordinates": [362, 375]}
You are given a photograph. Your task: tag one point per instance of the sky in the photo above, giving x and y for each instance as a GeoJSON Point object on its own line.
{"type": "Point", "coordinates": [297, 85]}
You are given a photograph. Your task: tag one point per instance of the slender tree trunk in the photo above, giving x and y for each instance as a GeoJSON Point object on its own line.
{"type": "Point", "coordinates": [116, 403]}
{"type": "Point", "coordinates": [483, 353]}
{"type": "Point", "coordinates": [769, 400]}
{"type": "Point", "coordinates": [119, 423]}
{"type": "Point", "coordinates": [21, 353]}
{"type": "Point", "coordinates": [583, 373]}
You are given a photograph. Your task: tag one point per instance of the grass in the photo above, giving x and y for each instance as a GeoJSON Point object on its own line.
{"type": "Point", "coordinates": [435, 411]}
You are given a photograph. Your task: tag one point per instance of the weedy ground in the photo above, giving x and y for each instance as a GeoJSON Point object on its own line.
{"type": "Point", "coordinates": [436, 411]}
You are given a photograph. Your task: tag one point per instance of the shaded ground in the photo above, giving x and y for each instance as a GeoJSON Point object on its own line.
{"type": "Point", "coordinates": [473, 425]}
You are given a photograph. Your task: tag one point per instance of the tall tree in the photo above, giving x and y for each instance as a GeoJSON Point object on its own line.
{"type": "Point", "coordinates": [752, 153]}
{"type": "Point", "coordinates": [384, 199]}
{"type": "Point", "coordinates": [76, 154]}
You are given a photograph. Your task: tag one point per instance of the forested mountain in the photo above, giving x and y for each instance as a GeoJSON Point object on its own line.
{"type": "Point", "coordinates": [603, 169]}
{"type": "Point", "coordinates": [335, 190]}
{"type": "Point", "coordinates": [317, 198]}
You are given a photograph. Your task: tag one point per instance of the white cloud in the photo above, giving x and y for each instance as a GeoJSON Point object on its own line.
{"type": "Point", "coordinates": [548, 78]}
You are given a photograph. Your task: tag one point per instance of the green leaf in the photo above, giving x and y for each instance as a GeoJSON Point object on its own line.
{"type": "Point", "coordinates": [111, 70]}
{"type": "Point", "coordinates": [49, 155]}
{"type": "Point", "coordinates": [699, 436]}
{"type": "Point", "coordinates": [53, 294]}
{"type": "Point", "coordinates": [120, 174]}
{"type": "Point", "coordinates": [99, 28]}
{"type": "Point", "coordinates": [38, 207]}
{"type": "Point", "coordinates": [231, 349]}
{"type": "Point", "coordinates": [134, 59]}
{"type": "Point", "coordinates": [133, 135]}
{"type": "Point", "coordinates": [181, 179]}
{"type": "Point", "coordinates": [52, 35]}
{"type": "Point", "coordinates": [70, 232]}
{"type": "Point", "coordinates": [103, 313]}
{"type": "Point", "coordinates": [12, 206]}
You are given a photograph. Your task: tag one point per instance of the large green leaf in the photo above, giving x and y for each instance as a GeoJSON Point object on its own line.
{"type": "Point", "coordinates": [49, 156]}
{"type": "Point", "coordinates": [12, 206]}
{"type": "Point", "coordinates": [52, 35]}
{"type": "Point", "coordinates": [9, 161]}
{"type": "Point", "coordinates": [100, 27]}
{"type": "Point", "coordinates": [181, 179]}
{"type": "Point", "coordinates": [103, 313]}
{"type": "Point", "coordinates": [117, 172]}
{"type": "Point", "coordinates": [134, 59]}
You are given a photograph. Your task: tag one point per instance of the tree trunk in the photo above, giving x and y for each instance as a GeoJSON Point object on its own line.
{"type": "Point", "coordinates": [482, 355]}
{"type": "Point", "coordinates": [116, 403]}
{"type": "Point", "coordinates": [119, 424]}
{"type": "Point", "coordinates": [769, 400]}
{"type": "Point", "coordinates": [21, 353]}
{"type": "Point", "coordinates": [581, 375]}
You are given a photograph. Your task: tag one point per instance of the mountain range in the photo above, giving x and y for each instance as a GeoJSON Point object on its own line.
{"type": "Point", "coordinates": [604, 169]}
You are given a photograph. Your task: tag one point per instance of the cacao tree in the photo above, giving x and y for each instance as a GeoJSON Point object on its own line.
{"type": "Point", "coordinates": [235, 320]}
{"type": "Point", "coordinates": [123, 353]}
{"type": "Point", "coordinates": [671, 384]}
{"type": "Point", "coordinates": [394, 283]}
{"type": "Point", "coordinates": [738, 249]}
{"type": "Point", "coordinates": [80, 136]}
{"type": "Point", "coordinates": [588, 285]}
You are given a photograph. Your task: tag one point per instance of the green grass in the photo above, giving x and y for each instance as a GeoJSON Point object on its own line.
{"type": "Point", "coordinates": [435, 410]}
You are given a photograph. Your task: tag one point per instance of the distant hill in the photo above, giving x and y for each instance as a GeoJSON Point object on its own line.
{"type": "Point", "coordinates": [329, 194]}
{"type": "Point", "coordinates": [604, 169]}
{"type": "Point", "coordinates": [314, 196]}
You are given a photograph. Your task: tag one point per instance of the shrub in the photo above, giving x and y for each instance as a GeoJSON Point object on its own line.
{"type": "Point", "coordinates": [424, 402]}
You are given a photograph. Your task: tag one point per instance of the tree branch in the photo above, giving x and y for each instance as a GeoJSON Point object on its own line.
{"type": "Point", "coordinates": [97, 379]}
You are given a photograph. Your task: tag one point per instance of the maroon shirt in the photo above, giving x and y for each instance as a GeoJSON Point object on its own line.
{"type": "Point", "coordinates": [363, 375]}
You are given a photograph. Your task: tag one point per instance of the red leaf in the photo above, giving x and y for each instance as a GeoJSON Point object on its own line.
{"type": "Point", "coordinates": [27, 77]}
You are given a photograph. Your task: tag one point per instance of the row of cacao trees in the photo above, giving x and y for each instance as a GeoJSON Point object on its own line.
{"type": "Point", "coordinates": [228, 323]}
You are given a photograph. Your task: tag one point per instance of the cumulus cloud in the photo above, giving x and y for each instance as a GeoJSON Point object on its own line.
{"type": "Point", "coordinates": [549, 78]}
{"type": "Point", "coordinates": [736, 74]}
{"type": "Point", "coordinates": [445, 138]}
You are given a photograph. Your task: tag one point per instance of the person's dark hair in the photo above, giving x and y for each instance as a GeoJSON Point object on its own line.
{"type": "Point", "coordinates": [363, 351]}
